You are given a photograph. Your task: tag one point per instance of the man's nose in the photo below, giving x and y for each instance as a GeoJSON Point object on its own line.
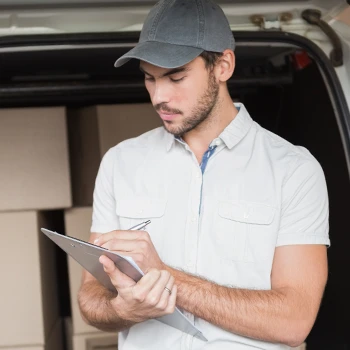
{"type": "Point", "coordinates": [161, 93]}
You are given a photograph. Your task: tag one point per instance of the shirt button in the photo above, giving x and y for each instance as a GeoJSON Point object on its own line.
{"type": "Point", "coordinates": [217, 142]}
{"type": "Point", "coordinates": [194, 218]}
{"type": "Point", "coordinates": [198, 176]}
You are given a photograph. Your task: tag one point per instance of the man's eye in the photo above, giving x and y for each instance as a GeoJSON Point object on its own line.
{"type": "Point", "coordinates": [176, 80]}
{"type": "Point", "coordinates": [149, 79]}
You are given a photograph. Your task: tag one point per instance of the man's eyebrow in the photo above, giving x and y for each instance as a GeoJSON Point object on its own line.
{"type": "Point", "coordinates": [176, 70]}
{"type": "Point", "coordinates": [170, 72]}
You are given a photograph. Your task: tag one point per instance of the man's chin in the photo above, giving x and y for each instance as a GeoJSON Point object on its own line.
{"type": "Point", "coordinates": [172, 130]}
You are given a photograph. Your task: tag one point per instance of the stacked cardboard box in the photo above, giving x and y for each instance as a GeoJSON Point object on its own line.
{"type": "Point", "coordinates": [34, 159]}
{"type": "Point", "coordinates": [92, 131]}
{"type": "Point", "coordinates": [34, 178]}
{"type": "Point", "coordinates": [54, 342]}
{"type": "Point", "coordinates": [94, 340]}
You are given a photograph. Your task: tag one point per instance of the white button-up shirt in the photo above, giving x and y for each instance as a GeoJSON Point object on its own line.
{"type": "Point", "coordinates": [221, 219]}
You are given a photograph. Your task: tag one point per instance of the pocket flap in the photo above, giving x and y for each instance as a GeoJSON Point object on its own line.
{"type": "Point", "coordinates": [250, 213]}
{"type": "Point", "coordinates": [140, 207]}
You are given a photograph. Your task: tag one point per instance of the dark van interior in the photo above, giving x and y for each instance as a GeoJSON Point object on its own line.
{"type": "Point", "coordinates": [287, 84]}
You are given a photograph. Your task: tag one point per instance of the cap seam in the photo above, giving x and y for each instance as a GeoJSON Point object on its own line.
{"type": "Point", "coordinates": [201, 23]}
{"type": "Point", "coordinates": [155, 23]}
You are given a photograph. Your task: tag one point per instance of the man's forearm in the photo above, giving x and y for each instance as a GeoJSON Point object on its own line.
{"type": "Point", "coordinates": [96, 308]}
{"type": "Point", "coordinates": [266, 314]}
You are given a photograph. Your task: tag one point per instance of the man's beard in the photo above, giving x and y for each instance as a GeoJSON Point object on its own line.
{"type": "Point", "coordinates": [200, 112]}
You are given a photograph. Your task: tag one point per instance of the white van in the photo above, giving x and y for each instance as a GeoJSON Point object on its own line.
{"type": "Point", "coordinates": [293, 75]}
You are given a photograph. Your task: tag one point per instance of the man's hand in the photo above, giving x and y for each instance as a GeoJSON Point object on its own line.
{"type": "Point", "coordinates": [136, 244]}
{"type": "Point", "coordinates": [154, 295]}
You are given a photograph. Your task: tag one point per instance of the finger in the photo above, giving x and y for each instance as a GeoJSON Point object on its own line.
{"type": "Point", "coordinates": [118, 279]}
{"type": "Point", "coordinates": [172, 301]}
{"type": "Point", "coordinates": [165, 296]}
{"type": "Point", "coordinates": [123, 246]}
{"type": "Point", "coordinates": [144, 286]}
{"type": "Point", "coordinates": [105, 237]}
{"type": "Point", "coordinates": [133, 235]}
{"type": "Point", "coordinates": [158, 289]}
{"type": "Point", "coordinates": [169, 285]}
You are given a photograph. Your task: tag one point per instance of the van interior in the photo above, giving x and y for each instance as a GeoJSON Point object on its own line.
{"type": "Point", "coordinates": [285, 85]}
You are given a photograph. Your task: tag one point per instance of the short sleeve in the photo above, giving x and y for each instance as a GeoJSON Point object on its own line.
{"type": "Point", "coordinates": [305, 210]}
{"type": "Point", "coordinates": [104, 218]}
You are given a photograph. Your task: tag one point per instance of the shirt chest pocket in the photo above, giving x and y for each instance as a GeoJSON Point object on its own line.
{"type": "Point", "coordinates": [133, 211]}
{"type": "Point", "coordinates": [244, 231]}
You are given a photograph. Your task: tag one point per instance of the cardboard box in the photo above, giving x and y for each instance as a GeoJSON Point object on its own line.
{"type": "Point", "coordinates": [90, 341]}
{"type": "Point", "coordinates": [93, 130]}
{"type": "Point", "coordinates": [95, 341]}
{"type": "Point", "coordinates": [54, 342]}
{"type": "Point", "coordinates": [29, 298]}
{"type": "Point", "coordinates": [34, 159]}
{"type": "Point", "coordinates": [25, 348]}
{"type": "Point", "coordinates": [77, 224]}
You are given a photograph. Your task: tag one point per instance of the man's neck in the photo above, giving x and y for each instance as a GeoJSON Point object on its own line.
{"type": "Point", "coordinates": [200, 138]}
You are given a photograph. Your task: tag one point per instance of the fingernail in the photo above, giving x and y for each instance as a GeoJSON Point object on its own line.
{"type": "Point", "coordinates": [96, 240]}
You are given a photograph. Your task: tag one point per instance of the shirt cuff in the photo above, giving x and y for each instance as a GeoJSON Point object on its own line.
{"type": "Point", "coordinates": [291, 239]}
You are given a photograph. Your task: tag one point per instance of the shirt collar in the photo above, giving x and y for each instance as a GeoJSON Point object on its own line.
{"type": "Point", "coordinates": [238, 128]}
{"type": "Point", "coordinates": [231, 135]}
{"type": "Point", "coordinates": [169, 140]}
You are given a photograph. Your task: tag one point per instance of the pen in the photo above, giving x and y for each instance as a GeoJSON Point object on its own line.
{"type": "Point", "coordinates": [140, 226]}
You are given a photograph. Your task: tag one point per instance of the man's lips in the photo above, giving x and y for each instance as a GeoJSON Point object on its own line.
{"type": "Point", "coordinates": [167, 115]}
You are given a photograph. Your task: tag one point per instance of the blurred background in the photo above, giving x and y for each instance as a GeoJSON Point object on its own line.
{"type": "Point", "coordinates": [63, 105]}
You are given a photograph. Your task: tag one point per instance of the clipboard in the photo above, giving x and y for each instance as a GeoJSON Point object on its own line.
{"type": "Point", "coordinates": [87, 255]}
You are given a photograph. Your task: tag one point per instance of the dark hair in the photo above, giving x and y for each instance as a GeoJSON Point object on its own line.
{"type": "Point", "coordinates": [210, 58]}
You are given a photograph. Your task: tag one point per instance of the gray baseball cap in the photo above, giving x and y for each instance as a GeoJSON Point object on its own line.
{"type": "Point", "coordinates": [177, 31]}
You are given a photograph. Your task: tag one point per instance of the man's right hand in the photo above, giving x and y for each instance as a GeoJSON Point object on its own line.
{"type": "Point", "coordinates": [146, 299]}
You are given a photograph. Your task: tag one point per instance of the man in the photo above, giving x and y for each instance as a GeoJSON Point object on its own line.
{"type": "Point", "coordinates": [239, 216]}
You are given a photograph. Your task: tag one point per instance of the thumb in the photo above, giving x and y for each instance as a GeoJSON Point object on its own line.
{"type": "Point", "coordinates": [118, 279]}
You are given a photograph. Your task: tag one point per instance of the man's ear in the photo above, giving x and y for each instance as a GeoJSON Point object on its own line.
{"type": "Point", "coordinates": [225, 66]}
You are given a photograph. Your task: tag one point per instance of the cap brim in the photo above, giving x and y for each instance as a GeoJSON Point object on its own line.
{"type": "Point", "coordinates": [161, 54]}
